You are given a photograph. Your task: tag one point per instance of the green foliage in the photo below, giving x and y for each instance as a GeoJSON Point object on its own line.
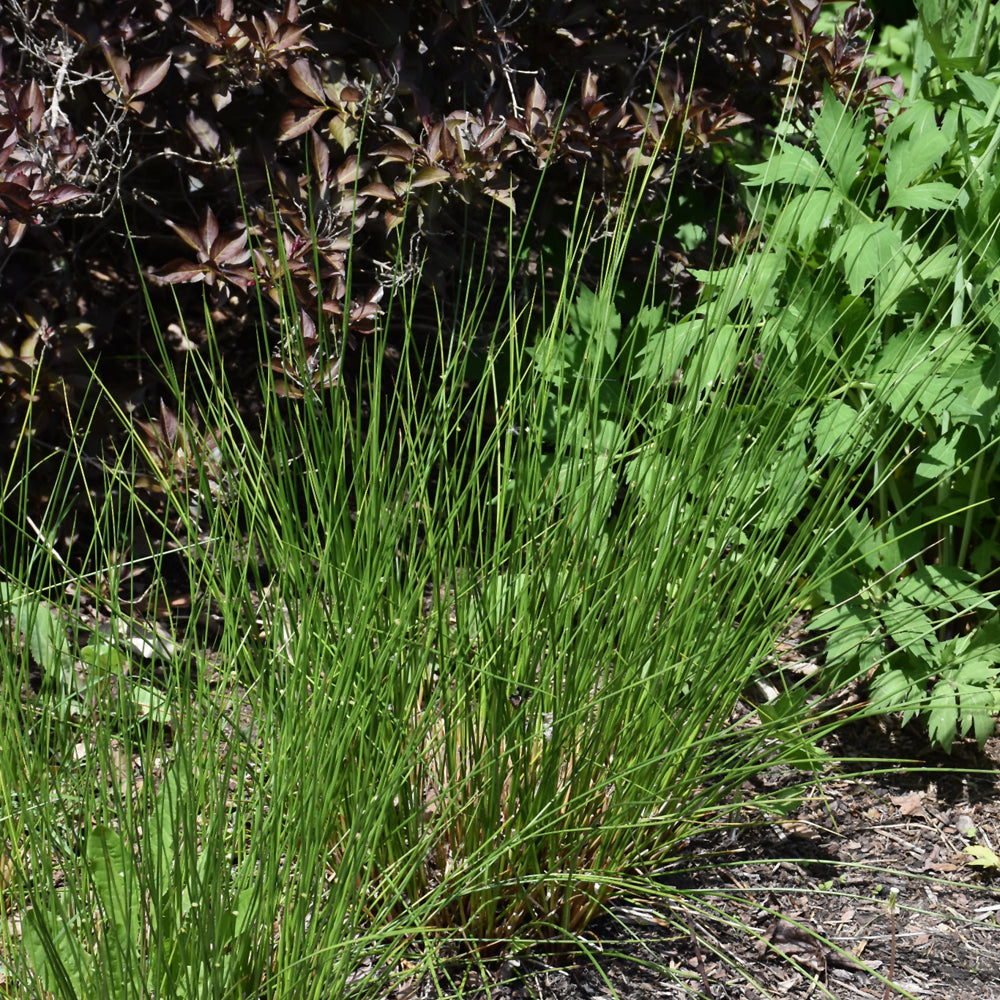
{"type": "Point", "coordinates": [43, 633]}
{"type": "Point", "coordinates": [368, 148]}
{"type": "Point", "coordinates": [871, 304]}
{"type": "Point", "coordinates": [884, 246]}
{"type": "Point", "coordinates": [141, 889]}
{"type": "Point", "coordinates": [983, 857]}
{"type": "Point", "coordinates": [483, 638]}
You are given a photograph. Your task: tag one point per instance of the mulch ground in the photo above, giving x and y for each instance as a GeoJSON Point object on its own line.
{"type": "Point", "coordinates": [802, 909]}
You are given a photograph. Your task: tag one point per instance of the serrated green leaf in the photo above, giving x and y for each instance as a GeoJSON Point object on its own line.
{"type": "Point", "coordinates": [896, 689]}
{"type": "Point", "coordinates": [982, 857]}
{"type": "Point", "coordinates": [854, 632]}
{"type": "Point", "coordinates": [956, 585]}
{"type": "Point", "coordinates": [912, 268]}
{"type": "Point", "coordinates": [909, 158]}
{"type": "Point", "coordinates": [716, 357]}
{"type": "Point", "coordinates": [982, 90]}
{"type": "Point", "coordinates": [910, 377]}
{"type": "Point", "coordinates": [841, 141]}
{"type": "Point", "coordinates": [983, 723]}
{"type": "Point", "coordinates": [667, 350]}
{"type": "Point", "coordinates": [942, 714]}
{"type": "Point", "coordinates": [978, 703]}
{"type": "Point", "coordinates": [933, 194]}
{"type": "Point", "coordinates": [756, 281]}
{"type": "Point", "coordinates": [868, 249]}
{"type": "Point", "coordinates": [807, 214]}
{"type": "Point", "coordinates": [944, 31]}
{"type": "Point", "coordinates": [836, 429]}
{"type": "Point", "coordinates": [45, 638]}
{"type": "Point", "coordinates": [789, 165]}
{"type": "Point", "coordinates": [44, 635]}
{"type": "Point", "coordinates": [937, 461]}
{"type": "Point", "coordinates": [908, 625]}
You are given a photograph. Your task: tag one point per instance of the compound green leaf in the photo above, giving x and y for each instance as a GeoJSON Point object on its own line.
{"type": "Point", "coordinates": [982, 857]}
{"type": "Point", "coordinates": [868, 250]}
{"type": "Point", "coordinates": [789, 165]}
{"type": "Point", "coordinates": [910, 157]}
{"type": "Point", "coordinates": [934, 194]}
{"type": "Point", "coordinates": [942, 715]}
{"type": "Point", "coordinates": [841, 140]}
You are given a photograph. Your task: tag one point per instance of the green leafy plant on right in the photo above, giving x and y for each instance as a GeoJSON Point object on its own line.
{"type": "Point", "coordinates": [881, 238]}
{"type": "Point", "coordinates": [872, 303]}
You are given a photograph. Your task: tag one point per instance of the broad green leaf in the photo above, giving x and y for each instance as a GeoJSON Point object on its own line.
{"type": "Point", "coordinates": [910, 157]}
{"type": "Point", "coordinates": [937, 460]}
{"type": "Point", "coordinates": [837, 429]}
{"type": "Point", "coordinates": [113, 873]}
{"type": "Point", "coordinates": [46, 638]}
{"type": "Point", "coordinates": [912, 268]}
{"type": "Point", "coordinates": [789, 165]}
{"type": "Point", "coordinates": [942, 714]}
{"type": "Point", "coordinates": [952, 28]}
{"type": "Point", "coordinates": [56, 955]}
{"type": "Point", "coordinates": [756, 281]}
{"type": "Point", "coordinates": [667, 350]}
{"type": "Point", "coordinates": [909, 375]}
{"type": "Point", "coordinates": [153, 705]}
{"type": "Point", "coordinates": [868, 250]}
{"type": "Point", "coordinates": [835, 591]}
{"type": "Point", "coordinates": [934, 194]}
{"type": "Point", "coordinates": [648, 321]}
{"type": "Point", "coordinates": [909, 626]}
{"type": "Point", "coordinates": [981, 89]}
{"type": "Point", "coordinates": [854, 632]}
{"type": "Point", "coordinates": [982, 857]}
{"type": "Point", "coordinates": [160, 849]}
{"type": "Point", "coordinates": [841, 140]}
{"type": "Point", "coordinates": [893, 690]}
{"type": "Point", "coordinates": [101, 652]}
{"type": "Point", "coordinates": [985, 556]}
{"type": "Point", "coordinates": [778, 334]}
{"type": "Point", "coordinates": [716, 358]}
{"type": "Point", "coordinates": [648, 472]}
{"type": "Point", "coordinates": [953, 583]}
{"type": "Point", "coordinates": [596, 325]}
{"type": "Point", "coordinates": [807, 214]}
